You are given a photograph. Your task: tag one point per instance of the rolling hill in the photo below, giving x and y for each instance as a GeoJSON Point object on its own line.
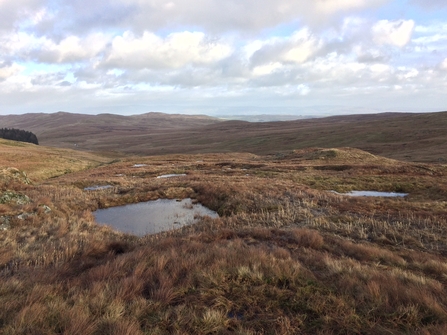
{"type": "Point", "coordinates": [404, 136]}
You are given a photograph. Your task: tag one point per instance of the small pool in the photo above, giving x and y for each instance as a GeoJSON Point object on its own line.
{"type": "Point", "coordinates": [97, 187]}
{"type": "Point", "coordinates": [373, 194]}
{"type": "Point", "coordinates": [153, 216]}
{"type": "Point", "coordinates": [172, 175]}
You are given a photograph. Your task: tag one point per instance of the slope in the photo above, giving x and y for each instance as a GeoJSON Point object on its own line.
{"type": "Point", "coordinates": [404, 136]}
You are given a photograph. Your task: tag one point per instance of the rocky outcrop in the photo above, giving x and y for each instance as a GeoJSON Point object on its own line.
{"type": "Point", "coordinates": [8, 197]}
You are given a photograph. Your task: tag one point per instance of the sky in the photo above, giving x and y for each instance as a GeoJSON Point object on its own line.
{"type": "Point", "coordinates": [215, 57]}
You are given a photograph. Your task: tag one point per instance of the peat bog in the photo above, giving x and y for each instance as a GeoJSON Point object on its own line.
{"type": "Point", "coordinates": [285, 255]}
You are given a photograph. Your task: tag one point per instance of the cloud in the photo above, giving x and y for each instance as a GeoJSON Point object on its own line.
{"type": "Point", "coordinates": [297, 48]}
{"type": "Point", "coordinates": [254, 52]}
{"type": "Point", "coordinates": [366, 54]}
{"type": "Point", "coordinates": [25, 47]}
{"type": "Point", "coordinates": [48, 79]}
{"type": "Point", "coordinates": [397, 33]}
{"type": "Point", "coordinates": [71, 49]}
{"type": "Point", "coordinates": [334, 6]}
{"type": "Point", "coordinates": [429, 4]}
{"type": "Point", "coordinates": [8, 70]}
{"type": "Point", "coordinates": [176, 50]}
{"type": "Point", "coordinates": [66, 17]}
{"type": "Point", "coordinates": [235, 15]}
{"type": "Point", "coordinates": [444, 64]}
{"type": "Point", "coordinates": [13, 12]}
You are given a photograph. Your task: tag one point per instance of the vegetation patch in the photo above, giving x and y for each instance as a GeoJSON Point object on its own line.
{"type": "Point", "coordinates": [18, 135]}
{"type": "Point", "coordinates": [8, 197]}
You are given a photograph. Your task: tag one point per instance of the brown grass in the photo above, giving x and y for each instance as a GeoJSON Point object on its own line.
{"type": "Point", "coordinates": [41, 162]}
{"type": "Point", "coordinates": [286, 256]}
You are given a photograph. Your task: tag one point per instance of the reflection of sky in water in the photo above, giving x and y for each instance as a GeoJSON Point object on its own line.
{"type": "Point", "coordinates": [171, 175]}
{"type": "Point", "coordinates": [374, 194]}
{"type": "Point", "coordinates": [96, 188]}
{"type": "Point", "coordinates": [153, 216]}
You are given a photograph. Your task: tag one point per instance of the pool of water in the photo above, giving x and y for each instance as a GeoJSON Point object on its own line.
{"type": "Point", "coordinates": [153, 216]}
{"type": "Point", "coordinates": [97, 187]}
{"type": "Point", "coordinates": [373, 194]}
{"type": "Point", "coordinates": [172, 175]}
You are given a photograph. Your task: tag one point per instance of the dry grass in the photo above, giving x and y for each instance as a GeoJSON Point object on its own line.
{"type": "Point", "coordinates": [286, 256]}
{"type": "Point", "coordinates": [41, 162]}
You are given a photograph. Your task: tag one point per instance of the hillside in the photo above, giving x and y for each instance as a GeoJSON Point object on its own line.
{"type": "Point", "coordinates": [40, 162]}
{"type": "Point", "coordinates": [286, 256]}
{"type": "Point", "coordinates": [403, 136]}
{"type": "Point", "coordinates": [95, 132]}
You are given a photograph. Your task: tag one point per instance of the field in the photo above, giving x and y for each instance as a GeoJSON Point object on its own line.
{"type": "Point", "coordinates": [286, 256]}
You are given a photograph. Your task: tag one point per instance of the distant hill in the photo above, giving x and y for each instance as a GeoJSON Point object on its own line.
{"type": "Point", "coordinates": [93, 132]}
{"type": "Point", "coordinates": [404, 136]}
{"type": "Point", "coordinates": [266, 117]}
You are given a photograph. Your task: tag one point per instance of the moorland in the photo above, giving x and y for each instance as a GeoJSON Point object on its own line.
{"type": "Point", "coordinates": [287, 255]}
{"type": "Point", "coordinates": [403, 136]}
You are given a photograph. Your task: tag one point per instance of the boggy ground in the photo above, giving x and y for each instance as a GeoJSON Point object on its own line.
{"type": "Point", "coordinates": [287, 256]}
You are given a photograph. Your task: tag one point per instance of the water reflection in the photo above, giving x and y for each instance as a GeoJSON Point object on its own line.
{"type": "Point", "coordinates": [97, 187]}
{"type": "Point", "coordinates": [373, 194]}
{"type": "Point", "coordinates": [172, 175]}
{"type": "Point", "coordinates": [153, 216]}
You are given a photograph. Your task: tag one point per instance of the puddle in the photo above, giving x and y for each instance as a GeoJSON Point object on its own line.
{"type": "Point", "coordinates": [153, 216]}
{"type": "Point", "coordinates": [139, 165]}
{"type": "Point", "coordinates": [97, 187]}
{"type": "Point", "coordinates": [171, 175]}
{"type": "Point", "coordinates": [373, 194]}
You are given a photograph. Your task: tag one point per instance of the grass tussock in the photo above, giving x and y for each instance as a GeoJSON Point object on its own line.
{"type": "Point", "coordinates": [286, 256]}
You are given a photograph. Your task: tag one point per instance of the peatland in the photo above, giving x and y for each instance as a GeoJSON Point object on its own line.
{"type": "Point", "coordinates": [404, 136]}
{"type": "Point", "coordinates": [286, 256]}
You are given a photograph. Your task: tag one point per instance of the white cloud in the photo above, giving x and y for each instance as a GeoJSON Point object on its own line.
{"type": "Point", "coordinates": [15, 44]}
{"type": "Point", "coordinates": [406, 74]}
{"type": "Point", "coordinates": [7, 71]}
{"type": "Point", "coordinates": [70, 49]}
{"type": "Point", "coordinates": [12, 12]}
{"type": "Point", "coordinates": [397, 33]}
{"type": "Point", "coordinates": [444, 64]}
{"type": "Point", "coordinates": [297, 48]}
{"type": "Point", "coordinates": [334, 6]}
{"type": "Point", "coordinates": [303, 45]}
{"type": "Point", "coordinates": [67, 17]}
{"type": "Point", "coordinates": [266, 69]}
{"type": "Point", "coordinates": [174, 51]}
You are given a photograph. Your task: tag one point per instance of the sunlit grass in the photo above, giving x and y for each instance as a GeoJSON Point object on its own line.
{"type": "Point", "coordinates": [287, 256]}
